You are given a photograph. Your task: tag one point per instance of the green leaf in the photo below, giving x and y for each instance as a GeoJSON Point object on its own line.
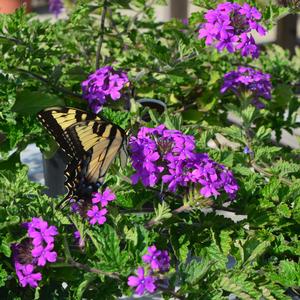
{"type": "Point", "coordinates": [288, 274]}
{"type": "Point", "coordinates": [13, 220]}
{"type": "Point", "coordinates": [255, 251]}
{"type": "Point", "coordinates": [180, 245]}
{"type": "Point", "coordinates": [283, 95]}
{"type": "Point", "coordinates": [192, 115]}
{"type": "Point", "coordinates": [284, 168]}
{"type": "Point", "coordinates": [30, 103]}
{"type": "Point", "coordinates": [3, 276]}
{"type": "Point", "coordinates": [283, 210]}
{"type": "Point", "coordinates": [237, 287]}
{"type": "Point", "coordinates": [226, 241]}
{"type": "Point", "coordinates": [296, 210]}
{"type": "Point", "coordinates": [214, 77]}
{"type": "Point", "coordinates": [89, 278]}
{"type": "Point", "coordinates": [196, 270]}
{"type": "Point", "coordinates": [162, 212]}
{"type": "Point", "coordinates": [5, 249]}
{"type": "Point", "coordinates": [173, 121]}
{"type": "Point", "coordinates": [263, 133]}
{"type": "Point", "coordinates": [248, 114]}
{"type": "Point", "coordinates": [107, 242]}
{"type": "Point", "coordinates": [214, 254]}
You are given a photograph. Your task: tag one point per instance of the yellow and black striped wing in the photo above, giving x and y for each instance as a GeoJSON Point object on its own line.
{"type": "Point", "coordinates": [100, 142]}
{"type": "Point", "coordinates": [90, 142]}
{"type": "Point", "coordinates": [57, 119]}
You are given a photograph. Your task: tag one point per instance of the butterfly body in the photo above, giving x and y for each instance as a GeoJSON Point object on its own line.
{"type": "Point", "coordinates": [91, 144]}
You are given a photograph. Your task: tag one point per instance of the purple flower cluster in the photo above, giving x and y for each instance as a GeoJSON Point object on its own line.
{"type": "Point", "coordinates": [159, 262]}
{"type": "Point", "coordinates": [103, 85]}
{"type": "Point", "coordinates": [95, 208]}
{"type": "Point", "coordinates": [229, 26]}
{"type": "Point", "coordinates": [169, 155]}
{"type": "Point", "coordinates": [153, 148]}
{"type": "Point", "coordinates": [249, 80]}
{"type": "Point", "coordinates": [34, 251]}
{"type": "Point", "coordinates": [55, 6]}
{"type": "Point", "coordinates": [96, 214]}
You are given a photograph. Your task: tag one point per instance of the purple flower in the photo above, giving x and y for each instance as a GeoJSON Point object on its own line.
{"type": "Point", "coordinates": [96, 215]}
{"type": "Point", "coordinates": [164, 261]}
{"type": "Point", "coordinates": [104, 198]}
{"type": "Point", "coordinates": [157, 259]}
{"type": "Point", "coordinates": [152, 257]}
{"type": "Point", "coordinates": [252, 81]}
{"type": "Point", "coordinates": [55, 6]}
{"type": "Point", "coordinates": [247, 150]}
{"type": "Point", "coordinates": [34, 251]}
{"type": "Point", "coordinates": [141, 282]}
{"type": "Point", "coordinates": [169, 155]}
{"type": "Point", "coordinates": [39, 231]}
{"type": "Point", "coordinates": [185, 21]}
{"type": "Point", "coordinates": [153, 148]}
{"type": "Point", "coordinates": [103, 85]}
{"type": "Point", "coordinates": [78, 237]}
{"type": "Point", "coordinates": [44, 254]}
{"type": "Point", "coordinates": [26, 276]}
{"type": "Point", "coordinates": [74, 206]}
{"type": "Point", "coordinates": [229, 27]}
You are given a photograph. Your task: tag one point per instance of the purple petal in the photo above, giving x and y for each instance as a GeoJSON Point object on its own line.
{"type": "Point", "coordinates": [140, 290]}
{"type": "Point", "coordinates": [140, 272]}
{"type": "Point", "coordinates": [133, 281]}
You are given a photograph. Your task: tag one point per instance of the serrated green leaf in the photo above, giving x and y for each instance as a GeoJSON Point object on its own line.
{"type": "Point", "coordinates": [196, 270]}
{"type": "Point", "coordinates": [256, 251]}
{"type": "Point", "coordinates": [226, 241]}
{"type": "Point", "coordinates": [288, 274]}
{"type": "Point", "coordinates": [3, 276]}
{"type": "Point", "coordinates": [5, 249]}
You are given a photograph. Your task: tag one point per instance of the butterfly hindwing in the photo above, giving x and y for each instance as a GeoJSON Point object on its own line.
{"type": "Point", "coordinates": [103, 142]}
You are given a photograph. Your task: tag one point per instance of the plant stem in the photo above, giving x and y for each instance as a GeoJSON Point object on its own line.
{"type": "Point", "coordinates": [72, 263]}
{"type": "Point", "coordinates": [101, 34]}
{"type": "Point", "coordinates": [86, 268]}
{"type": "Point", "coordinates": [174, 294]}
{"type": "Point", "coordinates": [183, 208]}
{"type": "Point", "coordinates": [266, 173]}
{"type": "Point", "coordinates": [166, 68]}
{"type": "Point", "coordinates": [136, 16]}
{"type": "Point", "coordinates": [66, 248]}
{"type": "Point", "coordinates": [46, 81]}
{"type": "Point", "coordinates": [136, 211]}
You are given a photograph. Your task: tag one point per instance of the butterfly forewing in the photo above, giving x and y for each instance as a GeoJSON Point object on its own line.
{"type": "Point", "coordinates": [58, 119]}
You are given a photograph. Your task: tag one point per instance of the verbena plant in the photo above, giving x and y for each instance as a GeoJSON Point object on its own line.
{"type": "Point", "coordinates": [205, 208]}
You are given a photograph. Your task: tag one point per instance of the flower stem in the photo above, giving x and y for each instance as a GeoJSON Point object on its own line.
{"type": "Point", "coordinates": [47, 82]}
{"type": "Point", "coordinates": [266, 173]}
{"type": "Point", "coordinates": [183, 208]}
{"type": "Point", "coordinates": [101, 34]}
{"type": "Point", "coordinates": [72, 263]}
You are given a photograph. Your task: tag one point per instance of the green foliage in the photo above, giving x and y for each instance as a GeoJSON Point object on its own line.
{"type": "Point", "coordinates": [255, 255]}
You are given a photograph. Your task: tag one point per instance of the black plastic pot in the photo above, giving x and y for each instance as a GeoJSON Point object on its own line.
{"type": "Point", "coordinates": [54, 174]}
{"type": "Point", "coordinates": [153, 104]}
